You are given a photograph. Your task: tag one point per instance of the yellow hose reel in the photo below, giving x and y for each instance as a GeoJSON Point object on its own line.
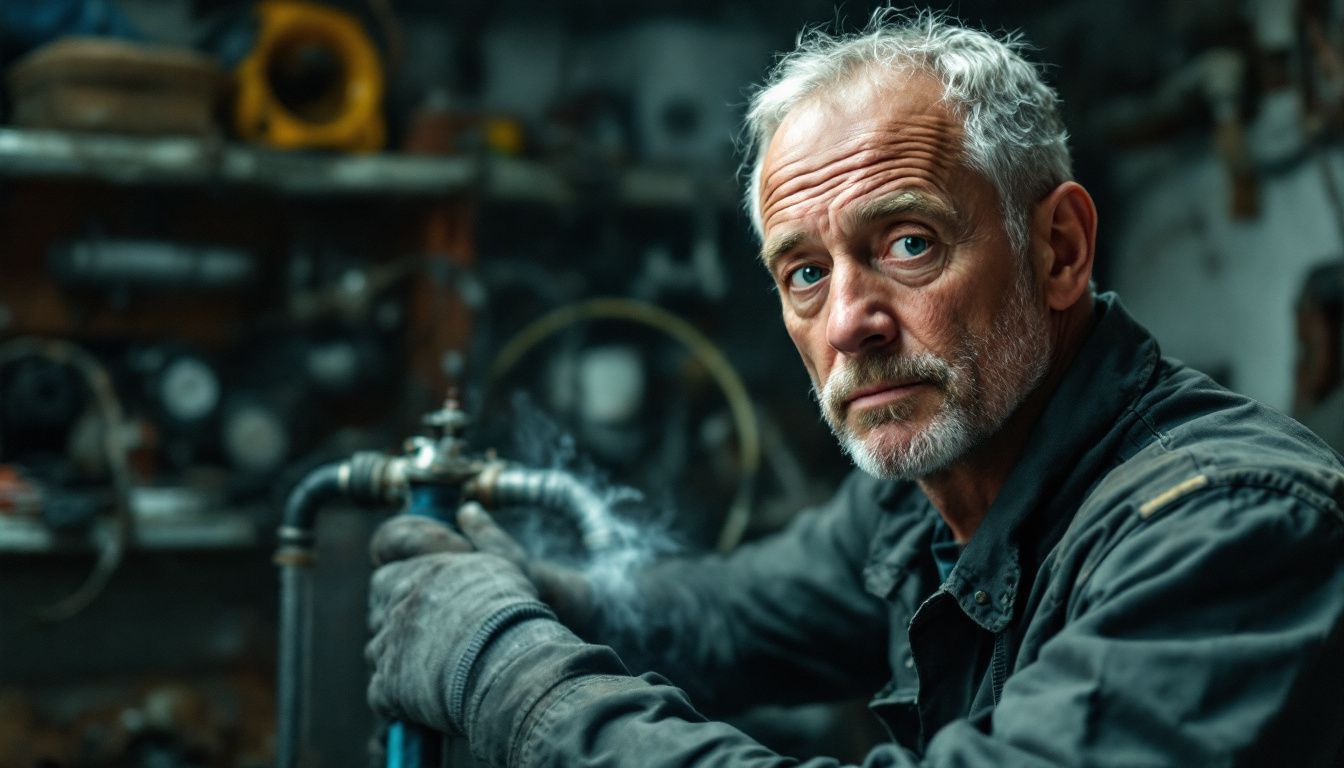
{"type": "Point", "coordinates": [313, 80]}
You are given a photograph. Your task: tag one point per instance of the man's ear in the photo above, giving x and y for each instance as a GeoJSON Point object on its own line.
{"type": "Point", "coordinates": [1064, 240]}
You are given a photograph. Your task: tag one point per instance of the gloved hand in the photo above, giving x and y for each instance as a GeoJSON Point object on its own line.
{"type": "Point", "coordinates": [564, 589]}
{"type": "Point", "coordinates": [433, 617]}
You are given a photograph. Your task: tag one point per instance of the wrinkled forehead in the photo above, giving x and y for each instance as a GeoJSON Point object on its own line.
{"type": "Point", "coordinates": [866, 101]}
{"type": "Point", "coordinates": [826, 141]}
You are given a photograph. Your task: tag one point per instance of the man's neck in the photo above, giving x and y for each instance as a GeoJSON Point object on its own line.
{"type": "Point", "coordinates": [963, 492]}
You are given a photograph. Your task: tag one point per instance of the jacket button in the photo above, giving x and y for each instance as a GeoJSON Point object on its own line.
{"type": "Point", "coordinates": [981, 597]}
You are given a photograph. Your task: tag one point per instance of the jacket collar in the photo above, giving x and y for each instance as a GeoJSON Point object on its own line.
{"type": "Point", "coordinates": [1070, 447]}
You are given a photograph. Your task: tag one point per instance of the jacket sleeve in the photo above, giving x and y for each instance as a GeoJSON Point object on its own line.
{"type": "Point", "coordinates": [1208, 635]}
{"type": "Point", "coordinates": [780, 620]}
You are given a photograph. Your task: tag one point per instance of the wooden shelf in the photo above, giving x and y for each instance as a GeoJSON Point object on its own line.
{"type": "Point", "coordinates": [185, 161]}
{"type": "Point", "coordinates": [131, 160]}
{"type": "Point", "coordinates": [220, 530]}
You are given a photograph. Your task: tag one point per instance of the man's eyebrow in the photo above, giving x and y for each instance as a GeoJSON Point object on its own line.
{"type": "Point", "coordinates": [775, 248]}
{"type": "Point", "coordinates": [899, 204]}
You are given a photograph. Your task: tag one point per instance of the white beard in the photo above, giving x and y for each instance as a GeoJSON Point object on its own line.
{"type": "Point", "coordinates": [982, 386]}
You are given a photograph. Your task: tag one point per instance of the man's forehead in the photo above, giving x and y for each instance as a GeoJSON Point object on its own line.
{"type": "Point", "coordinates": [826, 138]}
{"type": "Point", "coordinates": [893, 98]}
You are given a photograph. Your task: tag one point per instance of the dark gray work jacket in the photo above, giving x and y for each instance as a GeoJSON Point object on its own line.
{"type": "Point", "coordinates": [1159, 583]}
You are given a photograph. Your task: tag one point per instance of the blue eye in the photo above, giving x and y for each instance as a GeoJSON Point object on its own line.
{"type": "Point", "coordinates": [910, 246]}
{"type": "Point", "coordinates": [806, 276]}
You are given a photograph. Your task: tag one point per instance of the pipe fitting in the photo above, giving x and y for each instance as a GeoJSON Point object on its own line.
{"type": "Point", "coordinates": [500, 486]}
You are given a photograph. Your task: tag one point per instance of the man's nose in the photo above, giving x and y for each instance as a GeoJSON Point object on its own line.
{"type": "Point", "coordinates": [861, 317]}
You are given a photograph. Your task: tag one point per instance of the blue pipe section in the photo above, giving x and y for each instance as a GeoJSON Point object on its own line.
{"type": "Point", "coordinates": [410, 745]}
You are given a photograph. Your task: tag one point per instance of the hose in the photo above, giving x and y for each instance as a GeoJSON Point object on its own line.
{"type": "Point", "coordinates": [99, 384]}
{"type": "Point", "coordinates": [724, 375]}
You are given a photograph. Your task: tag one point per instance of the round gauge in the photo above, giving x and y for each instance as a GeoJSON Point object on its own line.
{"type": "Point", "coordinates": [255, 437]}
{"type": "Point", "coordinates": [188, 389]}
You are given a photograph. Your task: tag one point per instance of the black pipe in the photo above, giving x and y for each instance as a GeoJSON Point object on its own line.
{"type": "Point", "coordinates": [296, 624]}
{"type": "Point", "coordinates": [315, 489]}
{"type": "Point", "coordinates": [368, 478]}
{"type": "Point", "coordinates": [294, 556]}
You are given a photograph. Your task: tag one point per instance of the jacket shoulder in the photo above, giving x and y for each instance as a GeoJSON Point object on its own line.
{"type": "Point", "coordinates": [1200, 448]}
{"type": "Point", "coordinates": [1193, 433]}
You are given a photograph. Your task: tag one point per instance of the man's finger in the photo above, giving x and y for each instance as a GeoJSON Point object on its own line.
{"type": "Point", "coordinates": [389, 584]}
{"type": "Point", "coordinates": [407, 536]}
{"type": "Point", "coordinates": [373, 651]}
{"type": "Point", "coordinates": [400, 586]}
{"type": "Point", "coordinates": [380, 700]}
{"type": "Point", "coordinates": [486, 535]}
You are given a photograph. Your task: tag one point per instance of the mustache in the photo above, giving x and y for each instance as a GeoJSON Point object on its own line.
{"type": "Point", "coordinates": [878, 369]}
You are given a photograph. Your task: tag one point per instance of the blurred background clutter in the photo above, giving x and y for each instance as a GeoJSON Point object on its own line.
{"type": "Point", "coordinates": [239, 240]}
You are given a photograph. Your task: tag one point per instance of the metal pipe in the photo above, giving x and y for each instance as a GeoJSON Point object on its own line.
{"type": "Point", "coordinates": [294, 556]}
{"type": "Point", "coordinates": [554, 489]}
{"type": "Point", "coordinates": [377, 479]}
{"type": "Point", "coordinates": [410, 745]}
{"type": "Point", "coordinates": [367, 478]}
{"type": "Point", "coordinates": [315, 489]}
{"type": "Point", "coordinates": [292, 674]}
{"type": "Point", "coordinates": [413, 746]}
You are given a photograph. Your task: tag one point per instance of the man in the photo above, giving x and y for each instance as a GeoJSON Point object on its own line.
{"type": "Point", "coordinates": [1062, 549]}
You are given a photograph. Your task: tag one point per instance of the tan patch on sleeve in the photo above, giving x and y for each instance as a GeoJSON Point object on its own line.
{"type": "Point", "coordinates": [1171, 494]}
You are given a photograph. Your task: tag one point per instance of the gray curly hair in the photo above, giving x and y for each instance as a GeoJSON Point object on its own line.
{"type": "Point", "coordinates": [1012, 130]}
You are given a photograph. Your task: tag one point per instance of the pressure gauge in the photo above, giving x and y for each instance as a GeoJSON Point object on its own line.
{"type": "Point", "coordinates": [188, 389]}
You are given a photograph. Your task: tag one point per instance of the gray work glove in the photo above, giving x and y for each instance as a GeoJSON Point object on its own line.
{"type": "Point", "coordinates": [433, 618]}
{"type": "Point", "coordinates": [461, 642]}
{"type": "Point", "coordinates": [564, 589]}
